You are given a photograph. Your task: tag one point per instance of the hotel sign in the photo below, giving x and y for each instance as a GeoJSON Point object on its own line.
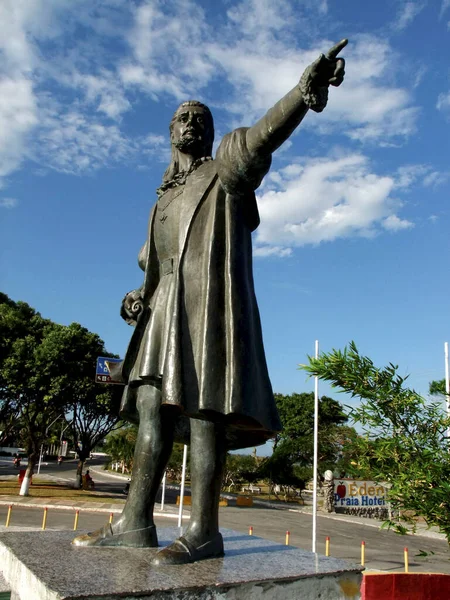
{"type": "Point", "coordinates": [358, 492]}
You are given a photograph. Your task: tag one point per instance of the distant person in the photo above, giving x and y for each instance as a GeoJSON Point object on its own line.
{"type": "Point", "coordinates": [88, 482]}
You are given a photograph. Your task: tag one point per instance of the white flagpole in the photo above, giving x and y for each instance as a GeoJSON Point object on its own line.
{"type": "Point", "coordinates": [316, 447]}
{"type": "Point", "coordinates": [447, 384]}
{"type": "Point", "coordinates": [183, 478]}
{"type": "Point", "coordinates": [163, 491]}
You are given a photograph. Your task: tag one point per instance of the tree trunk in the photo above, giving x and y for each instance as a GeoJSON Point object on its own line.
{"type": "Point", "coordinates": [79, 473]}
{"type": "Point", "coordinates": [25, 487]}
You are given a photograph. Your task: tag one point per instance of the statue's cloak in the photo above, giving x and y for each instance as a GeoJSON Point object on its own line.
{"type": "Point", "coordinates": [214, 365]}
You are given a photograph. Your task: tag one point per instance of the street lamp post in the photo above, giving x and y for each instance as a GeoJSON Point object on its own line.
{"type": "Point", "coordinates": [42, 445]}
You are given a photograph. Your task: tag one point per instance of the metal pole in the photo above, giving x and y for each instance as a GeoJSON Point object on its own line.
{"type": "Point", "coordinates": [42, 445]}
{"type": "Point", "coordinates": [316, 444]}
{"type": "Point", "coordinates": [163, 491]}
{"type": "Point", "coordinates": [183, 477]}
{"type": "Point", "coordinates": [60, 437]}
{"type": "Point", "coordinates": [447, 385]}
{"type": "Point", "coordinates": [40, 459]}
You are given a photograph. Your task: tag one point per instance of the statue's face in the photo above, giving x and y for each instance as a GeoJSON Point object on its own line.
{"type": "Point", "coordinates": [188, 130]}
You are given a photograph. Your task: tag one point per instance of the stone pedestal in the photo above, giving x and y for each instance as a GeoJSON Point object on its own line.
{"type": "Point", "coordinates": [42, 565]}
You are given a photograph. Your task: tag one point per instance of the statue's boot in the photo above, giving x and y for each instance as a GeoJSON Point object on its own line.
{"type": "Point", "coordinates": [135, 527]}
{"type": "Point", "coordinates": [181, 551]}
{"type": "Point", "coordinates": [109, 536]}
{"type": "Point", "coordinates": [202, 538]}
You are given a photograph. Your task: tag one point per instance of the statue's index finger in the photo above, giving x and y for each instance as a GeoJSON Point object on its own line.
{"type": "Point", "coordinates": [334, 51]}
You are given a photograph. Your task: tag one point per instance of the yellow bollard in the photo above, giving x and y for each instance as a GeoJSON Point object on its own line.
{"type": "Point", "coordinates": [111, 517]}
{"type": "Point", "coordinates": [363, 553]}
{"type": "Point", "coordinates": [287, 537]}
{"type": "Point", "coordinates": [44, 519]}
{"type": "Point", "coordinates": [8, 516]}
{"type": "Point", "coordinates": [75, 523]}
{"type": "Point", "coordinates": [250, 531]}
{"type": "Point", "coordinates": [405, 554]}
{"type": "Point", "coordinates": [327, 546]}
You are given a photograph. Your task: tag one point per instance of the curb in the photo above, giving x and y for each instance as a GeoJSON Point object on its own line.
{"type": "Point", "coordinates": [111, 509]}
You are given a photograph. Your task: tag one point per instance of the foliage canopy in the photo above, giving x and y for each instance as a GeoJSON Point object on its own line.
{"type": "Point", "coordinates": [47, 373]}
{"type": "Point", "coordinates": [404, 442]}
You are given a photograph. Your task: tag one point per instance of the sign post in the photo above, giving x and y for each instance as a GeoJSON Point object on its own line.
{"type": "Point", "coordinates": [107, 369]}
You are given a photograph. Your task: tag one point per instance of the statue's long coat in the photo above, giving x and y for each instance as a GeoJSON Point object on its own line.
{"type": "Point", "coordinates": [214, 366]}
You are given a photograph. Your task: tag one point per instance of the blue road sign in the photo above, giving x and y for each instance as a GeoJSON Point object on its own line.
{"type": "Point", "coordinates": [102, 370]}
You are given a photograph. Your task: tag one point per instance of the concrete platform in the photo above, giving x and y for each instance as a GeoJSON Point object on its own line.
{"type": "Point", "coordinates": [42, 565]}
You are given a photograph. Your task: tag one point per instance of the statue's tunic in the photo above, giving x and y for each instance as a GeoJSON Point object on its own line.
{"type": "Point", "coordinates": [199, 336]}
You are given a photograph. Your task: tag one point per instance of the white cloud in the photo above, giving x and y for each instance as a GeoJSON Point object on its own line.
{"type": "Point", "coordinates": [444, 7]}
{"type": "Point", "coordinates": [72, 143]}
{"type": "Point", "coordinates": [156, 146]}
{"type": "Point", "coordinates": [394, 223]}
{"type": "Point", "coordinates": [435, 178]}
{"type": "Point", "coordinates": [103, 91]}
{"type": "Point", "coordinates": [264, 251]}
{"type": "Point", "coordinates": [70, 91]}
{"type": "Point", "coordinates": [18, 116]}
{"type": "Point", "coordinates": [318, 200]}
{"type": "Point", "coordinates": [257, 54]}
{"type": "Point", "coordinates": [8, 202]}
{"type": "Point", "coordinates": [443, 102]}
{"type": "Point", "coordinates": [408, 175]}
{"type": "Point", "coordinates": [46, 101]}
{"type": "Point", "coordinates": [159, 63]}
{"type": "Point", "coordinates": [408, 12]}
{"type": "Point", "coordinates": [366, 107]}
{"type": "Point", "coordinates": [260, 19]}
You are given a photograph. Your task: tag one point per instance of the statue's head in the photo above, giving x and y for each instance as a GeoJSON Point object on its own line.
{"type": "Point", "coordinates": [192, 129]}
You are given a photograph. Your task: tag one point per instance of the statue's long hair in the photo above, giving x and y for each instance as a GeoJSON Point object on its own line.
{"type": "Point", "coordinates": [174, 168]}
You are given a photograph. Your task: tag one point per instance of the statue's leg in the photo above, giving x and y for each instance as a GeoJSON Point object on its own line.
{"type": "Point", "coordinates": [202, 538]}
{"type": "Point", "coordinates": [135, 526]}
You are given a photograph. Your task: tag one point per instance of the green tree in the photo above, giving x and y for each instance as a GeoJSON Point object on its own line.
{"type": "Point", "coordinates": [36, 407]}
{"type": "Point", "coordinates": [68, 356]}
{"type": "Point", "coordinates": [279, 469]}
{"type": "Point", "coordinates": [437, 388]}
{"type": "Point", "coordinates": [174, 467]}
{"type": "Point", "coordinates": [240, 468]}
{"type": "Point", "coordinates": [347, 440]}
{"type": "Point", "coordinates": [17, 320]}
{"type": "Point", "coordinates": [120, 444]}
{"type": "Point", "coordinates": [292, 459]}
{"type": "Point", "coordinates": [404, 442]}
{"type": "Point", "coordinates": [46, 372]}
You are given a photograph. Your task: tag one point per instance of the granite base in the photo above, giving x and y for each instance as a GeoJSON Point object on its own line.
{"type": "Point", "coordinates": [43, 565]}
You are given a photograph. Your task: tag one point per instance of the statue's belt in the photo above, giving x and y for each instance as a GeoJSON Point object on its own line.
{"type": "Point", "coordinates": [166, 266]}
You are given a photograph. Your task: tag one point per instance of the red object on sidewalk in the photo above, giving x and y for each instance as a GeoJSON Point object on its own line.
{"type": "Point", "coordinates": [405, 586]}
{"type": "Point", "coordinates": [21, 476]}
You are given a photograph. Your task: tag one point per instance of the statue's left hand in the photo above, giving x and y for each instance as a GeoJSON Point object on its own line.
{"type": "Point", "coordinates": [131, 307]}
{"type": "Point", "coordinates": [328, 69]}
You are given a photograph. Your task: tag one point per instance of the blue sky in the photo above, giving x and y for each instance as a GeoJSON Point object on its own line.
{"type": "Point", "coordinates": [354, 234]}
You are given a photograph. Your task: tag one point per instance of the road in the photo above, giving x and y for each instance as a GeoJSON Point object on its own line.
{"type": "Point", "coordinates": [384, 549]}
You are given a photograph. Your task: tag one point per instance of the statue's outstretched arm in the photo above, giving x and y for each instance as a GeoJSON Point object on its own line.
{"type": "Point", "coordinates": [274, 128]}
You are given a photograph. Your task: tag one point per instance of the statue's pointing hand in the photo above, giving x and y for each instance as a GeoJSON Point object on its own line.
{"type": "Point", "coordinates": [327, 70]}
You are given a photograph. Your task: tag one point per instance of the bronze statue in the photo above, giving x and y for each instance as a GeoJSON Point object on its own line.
{"type": "Point", "coordinates": [195, 368]}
